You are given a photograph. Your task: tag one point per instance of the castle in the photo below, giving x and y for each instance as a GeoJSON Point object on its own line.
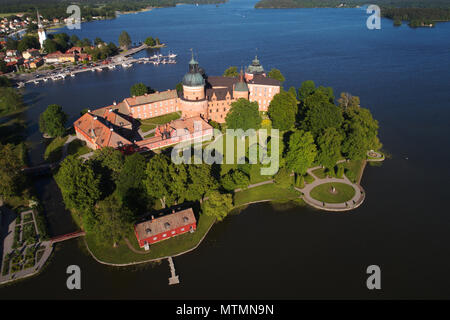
{"type": "Point", "coordinates": [203, 98]}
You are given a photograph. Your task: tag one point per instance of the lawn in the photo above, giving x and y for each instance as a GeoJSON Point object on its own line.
{"type": "Point", "coordinates": [320, 173]}
{"type": "Point", "coordinates": [78, 148]}
{"type": "Point", "coordinates": [172, 246]}
{"type": "Point", "coordinates": [152, 123]}
{"type": "Point", "coordinates": [53, 152]}
{"type": "Point", "coordinates": [322, 192]}
{"type": "Point", "coordinates": [353, 169]}
{"type": "Point", "coordinates": [265, 192]}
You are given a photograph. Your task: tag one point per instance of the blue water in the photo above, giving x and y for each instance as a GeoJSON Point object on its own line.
{"type": "Point", "coordinates": [401, 74]}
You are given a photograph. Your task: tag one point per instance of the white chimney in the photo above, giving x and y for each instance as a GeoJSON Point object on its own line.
{"type": "Point", "coordinates": [114, 103]}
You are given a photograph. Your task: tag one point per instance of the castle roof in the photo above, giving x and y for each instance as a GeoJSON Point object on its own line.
{"type": "Point", "coordinates": [255, 67]}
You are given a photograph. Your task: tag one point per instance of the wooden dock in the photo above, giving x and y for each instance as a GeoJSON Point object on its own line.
{"type": "Point", "coordinates": [174, 278]}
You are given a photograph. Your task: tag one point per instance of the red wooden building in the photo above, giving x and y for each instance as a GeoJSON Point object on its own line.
{"type": "Point", "coordinates": [165, 227]}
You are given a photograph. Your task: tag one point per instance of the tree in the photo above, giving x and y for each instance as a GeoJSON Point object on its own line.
{"type": "Point", "coordinates": [348, 101]}
{"type": "Point", "coordinates": [124, 40]}
{"type": "Point", "coordinates": [283, 110]}
{"type": "Point", "coordinates": [318, 113]}
{"type": "Point", "coordinates": [243, 115]}
{"type": "Point", "coordinates": [79, 184]}
{"type": "Point", "coordinates": [218, 205]}
{"type": "Point", "coordinates": [276, 74]}
{"type": "Point", "coordinates": [52, 121]}
{"type": "Point", "coordinates": [113, 221]}
{"type": "Point", "coordinates": [301, 152]}
{"type": "Point", "coordinates": [11, 176]}
{"type": "Point", "coordinates": [179, 87]}
{"type": "Point", "coordinates": [10, 99]}
{"type": "Point", "coordinates": [200, 181]}
{"type": "Point", "coordinates": [361, 132]}
{"type": "Point", "coordinates": [98, 41]}
{"type": "Point", "coordinates": [150, 41]}
{"type": "Point", "coordinates": [231, 72]}
{"type": "Point", "coordinates": [165, 181]}
{"type": "Point", "coordinates": [329, 147]}
{"type": "Point", "coordinates": [50, 46]}
{"type": "Point", "coordinates": [28, 42]}
{"type": "Point", "coordinates": [235, 179]}
{"type": "Point", "coordinates": [306, 89]}
{"type": "Point", "coordinates": [138, 89]}
{"type": "Point", "coordinates": [3, 67]}
{"type": "Point", "coordinates": [4, 81]}
{"type": "Point", "coordinates": [130, 183]}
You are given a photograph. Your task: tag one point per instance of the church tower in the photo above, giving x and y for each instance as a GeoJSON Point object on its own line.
{"type": "Point", "coordinates": [41, 31]}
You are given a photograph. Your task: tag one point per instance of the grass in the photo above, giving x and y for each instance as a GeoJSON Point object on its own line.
{"type": "Point", "coordinates": [352, 169]}
{"type": "Point", "coordinates": [322, 192]}
{"type": "Point", "coordinates": [152, 123]}
{"type": "Point", "coordinates": [53, 152]}
{"type": "Point", "coordinates": [149, 135]}
{"type": "Point", "coordinates": [172, 246]}
{"type": "Point", "coordinates": [78, 148]}
{"type": "Point", "coordinates": [320, 173]}
{"type": "Point", "coordinates": [268, 191]}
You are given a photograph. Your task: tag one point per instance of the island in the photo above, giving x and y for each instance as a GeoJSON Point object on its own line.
{"type": "Point", "coordinates": [133, 203]}
{"type": "Point", "coordinates": [417, 13]}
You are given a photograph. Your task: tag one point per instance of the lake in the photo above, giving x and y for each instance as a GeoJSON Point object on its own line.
{"type": "Point", "coordinates": [400, 74]}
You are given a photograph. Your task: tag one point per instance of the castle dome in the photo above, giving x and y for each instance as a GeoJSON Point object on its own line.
{"type": "Point", "coordinates": [255, 67]}
{"type": "Point", "coordinates": [193, 78]}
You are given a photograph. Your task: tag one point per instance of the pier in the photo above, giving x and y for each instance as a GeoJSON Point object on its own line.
{"type": "Point", "coordinates": [68, 236]}
{"type": "Point", "coordinates": [174, 278]}
{"type": "Point", "coordinates": [120, 61]}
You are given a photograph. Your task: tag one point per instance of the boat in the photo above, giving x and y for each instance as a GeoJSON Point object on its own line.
{"type": "Point", "coordinates": [126, 65]}
{"type": "Point", "coordinates": [172, 55]}
{"type": "Point", "coordinates": [98, 69]}
{"type": "Point", "coordinates": [154, 56]}
{"type": "Point", "coordinates": [72, 75]}
{"type": "Point", "coordinates": [112, 67]}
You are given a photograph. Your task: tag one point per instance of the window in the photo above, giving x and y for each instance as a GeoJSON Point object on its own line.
{"type": "Point", "coordinates": [173, 232]}
{"type": "Point", "coordinates": [164, 235]}
{"type": "Point", "coordinates": [182, 229]}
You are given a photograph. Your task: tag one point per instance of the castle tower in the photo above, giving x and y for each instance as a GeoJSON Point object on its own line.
{"type": "Point", "coordinates": [254, 69]}
{"type": "Point", "coordinates": [41, 31]}
{"type": "Point", "coordinates": [192, 102]}
{"type": "Point", "coordinates": [240, 89]}
{"type": "Point", "coordinates": [193, 82]}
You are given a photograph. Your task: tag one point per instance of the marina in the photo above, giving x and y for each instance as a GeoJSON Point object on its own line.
{"type": "Point", "coordinates": [119, 61]}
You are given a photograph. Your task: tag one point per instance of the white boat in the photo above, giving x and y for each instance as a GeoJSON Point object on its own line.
{"type": "Point", "coordinates": [36, 82]}
{"type": "Point", "coordinates": [126, 65]}
{"type": "Point", "coordinates": [45, 79]}
{"type": "Point", "coordinates": [98, 69]}
{"type": "Point", "coordinates": [154, 56]}
{"type": "Point", "coordinates": [172, 55]}
{"type": "Point", "coordinates": [112, 67]}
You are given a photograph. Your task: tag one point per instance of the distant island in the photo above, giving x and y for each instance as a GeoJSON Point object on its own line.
{"type": "Point", "coordinates": [417, 13]}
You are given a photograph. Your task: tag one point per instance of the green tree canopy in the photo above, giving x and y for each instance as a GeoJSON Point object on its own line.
{"type": "Point", "coordinates": [234, 179]}
{"type": "Point", "coordinates": [50, 46]}
{"type": "Point", "coordinates": [150, 41]}
{"type": "Point", "coordinates": [10, 99]}
{"type": "Point", "coordinates": [124, 40]}
{"type": "Point", "coordinates": [130, 183]}
{"type": "Point", "coordinates": [218, 205]}
{"type": "Point", "coordinates": [307, 88]}
{"type": "Point", "coordinates": [318, 113]}
{"type": "Point", "coordinates": [301, 151]}
{"type": "Point", "coordinates": [200, 181]}
{"type": "Point", "coordinates": [231, 72]}
{"type": "Point", "coordinates": [329, 147]}
{"type": "Point", "coordinates": [361, 132]}
{"type": "Point", "coordinates": [4, 81]}
{"type": "Point", "coordinates": [52, 121]}
{"type": "Point", "coordinates": [79, 184]}
{"type": "Point", "coordinates": [283, 110]}
{"type": "Point", "coordinates": [113, 221]}
{"type": "Point", "coordinates": [243, 115]}
{"type": "Point", "coordinates": [276, 74]}
{"type": "Point", "coordinates": [138, 89]}
{"type": "Point", "coordinates": [11, 176]}
{"type": "Point", "coordinates": [28, 42]}
{"type": "Point", "coordinates": [165, 181]}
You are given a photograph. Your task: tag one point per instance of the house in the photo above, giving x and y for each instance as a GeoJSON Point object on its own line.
{"type": "Point", "coordinates": [165, 227]}
{"type": "Point", "coordinates": [31, 53]}
{"type": "Point", "coordinates": [59, 57]}
{"type": "Point", "coordinates": [12, 53]}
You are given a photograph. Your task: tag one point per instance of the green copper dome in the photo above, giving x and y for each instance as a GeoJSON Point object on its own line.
{"type": "Point", "coordinates": [193, 78]}
{"type": "Point", "coordinates": [255, 67]}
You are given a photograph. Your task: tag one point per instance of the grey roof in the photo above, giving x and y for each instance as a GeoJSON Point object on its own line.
{"type": "Point", "coordinates": [255, 67]}
{"type": "Point", "coordinates": [260, 79]}
{"type": "Point", "coordinates": [193, 79]}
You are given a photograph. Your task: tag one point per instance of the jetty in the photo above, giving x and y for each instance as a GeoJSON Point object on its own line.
{"type": "Point", "coordinates": [174, 278]}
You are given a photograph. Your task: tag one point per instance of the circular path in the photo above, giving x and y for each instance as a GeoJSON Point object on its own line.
{"type": "Point", "coordinates": [353, 203]}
